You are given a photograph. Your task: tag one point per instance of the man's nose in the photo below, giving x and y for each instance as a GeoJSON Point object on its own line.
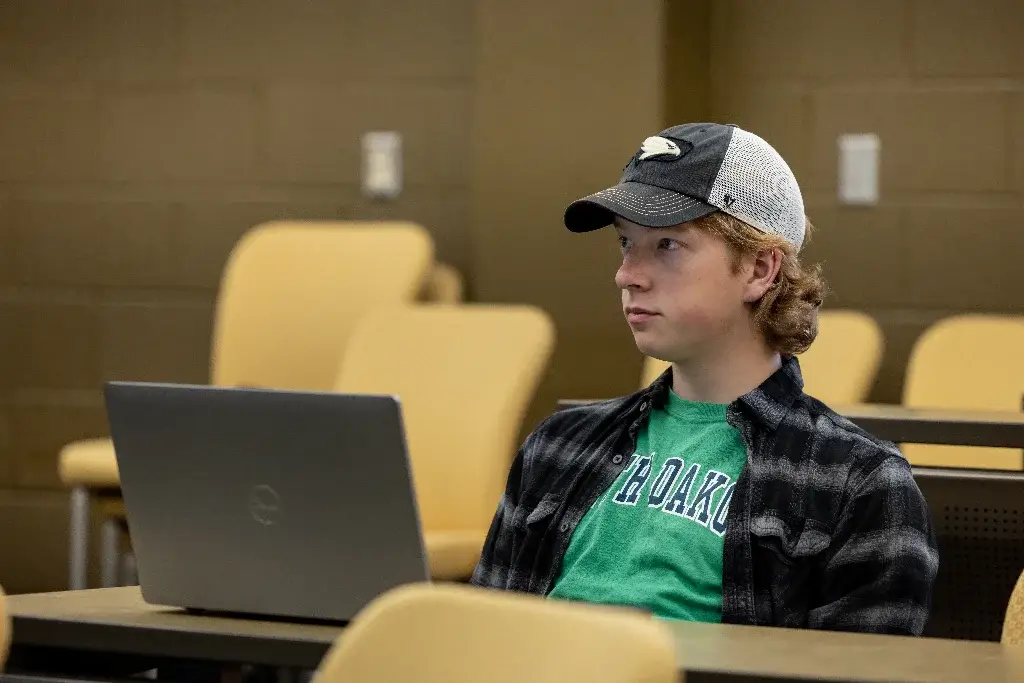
{"type": "Point", "coordinates": [632, 274]}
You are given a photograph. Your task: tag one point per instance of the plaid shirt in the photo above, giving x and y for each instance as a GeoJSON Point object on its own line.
{"type": "Point", "coordinates": [827, 528]}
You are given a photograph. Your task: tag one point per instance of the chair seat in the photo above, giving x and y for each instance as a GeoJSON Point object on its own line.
{"type": "Point", "coordinates": [90, 462]}
{"type": "Point", "coordinates": [453, 555]}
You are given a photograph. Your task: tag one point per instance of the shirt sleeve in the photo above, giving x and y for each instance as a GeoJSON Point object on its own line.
{"type": "Point", "coordinates": [495, 565]}
{"type": "Point", "coordinates": [880, 576]}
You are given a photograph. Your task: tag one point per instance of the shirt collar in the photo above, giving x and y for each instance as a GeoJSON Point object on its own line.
{"type": "Point", "coordinates": [768, 402]}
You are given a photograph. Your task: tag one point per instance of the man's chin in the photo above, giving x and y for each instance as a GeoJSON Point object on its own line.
{"type": "Point", "coordinates": [655, 348]}
{"type": "Point", "coordinates": [649, 347]}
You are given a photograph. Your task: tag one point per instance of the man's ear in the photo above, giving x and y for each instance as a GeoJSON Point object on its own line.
{"type": "Point", "coordinates": [761, 277]}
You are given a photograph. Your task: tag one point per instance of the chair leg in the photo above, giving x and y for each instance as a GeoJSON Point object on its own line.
{"type": "Point", "coordinates": [78, 539]}
{"type": "Point", "coordinates": [110, 552]}
{"type": "Point", "coordinates": [129, 570]}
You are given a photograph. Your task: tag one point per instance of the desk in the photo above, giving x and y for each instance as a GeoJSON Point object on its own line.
{"type": "Point", "coordinates": [945, 427]}
{"type": "Point", "coordinates": [116, 621]}
{"type": "Point", "coordinates": [918, 425]}
{"type": "Point", "coordinates": [713, 652]}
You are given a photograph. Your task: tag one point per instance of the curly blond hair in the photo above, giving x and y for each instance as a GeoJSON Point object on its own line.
{"type": "Point", "coordinates": [787, 314]}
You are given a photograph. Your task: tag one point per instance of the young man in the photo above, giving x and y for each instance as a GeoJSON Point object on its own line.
{"type": "Point", "coordinates": [722, 492]}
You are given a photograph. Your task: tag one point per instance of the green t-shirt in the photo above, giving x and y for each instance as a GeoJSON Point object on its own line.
{"type": "Point", "coordinates": [654, 539]}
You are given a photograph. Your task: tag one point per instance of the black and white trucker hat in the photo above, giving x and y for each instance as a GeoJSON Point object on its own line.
{"type": "Point", "coordinates": [695, 169]}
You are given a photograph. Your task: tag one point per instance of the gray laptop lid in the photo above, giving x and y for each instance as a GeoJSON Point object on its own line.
{"type": "Point", "coordinates": [265, 502]}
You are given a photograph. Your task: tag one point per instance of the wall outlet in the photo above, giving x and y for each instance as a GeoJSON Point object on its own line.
{"type": "Point", "coordinates": [382, 165]}
{"type": "Point", "coordinates": [858, 168]}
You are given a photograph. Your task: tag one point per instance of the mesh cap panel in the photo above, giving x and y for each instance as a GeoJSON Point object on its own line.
{"type": "Point", "coordinates": [756, 185]}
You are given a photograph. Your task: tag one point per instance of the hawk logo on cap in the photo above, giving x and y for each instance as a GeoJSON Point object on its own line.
{"type": "Point", "coordinates": [658, 146]}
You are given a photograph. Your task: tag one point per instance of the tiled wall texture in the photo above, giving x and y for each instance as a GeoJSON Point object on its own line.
{"type": "Point", "coordinates": [137, 142]}
{"type": "Point", "coordinates": [942, 83]}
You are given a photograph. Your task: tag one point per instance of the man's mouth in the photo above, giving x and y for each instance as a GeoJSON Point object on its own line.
{"type": "Point", "coordinates": [638, 314]}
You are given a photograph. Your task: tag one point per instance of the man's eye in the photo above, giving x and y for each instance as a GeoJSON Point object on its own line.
{"type": "Point", "coordinates": [623, 243]}
{"type": "Point", "coordinates": [668, 244]}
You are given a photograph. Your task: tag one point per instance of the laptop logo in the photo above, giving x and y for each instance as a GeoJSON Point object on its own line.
{"type": "Point", "coordinates": [265, 505]}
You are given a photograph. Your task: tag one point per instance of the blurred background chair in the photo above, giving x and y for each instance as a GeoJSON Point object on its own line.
{"type": "Point", "coordinates": [466, 376]}
{"type": "Point", "coordinates": [460, 634]}
{"type": "Point", "coordinates": [970, 362]}
{"type": "Point", "coordinates": [1013, 624]}
{"type": "Point", "coordinates": [290, 295]}
{"type": "Point", "coordinates": [5, 630]}
{"type": "Point", "coordinates": [444, 285]}
{"type": "Point", "coordinates": [841, 365]}
{"type": "Point", "coordinates": [652, 370]}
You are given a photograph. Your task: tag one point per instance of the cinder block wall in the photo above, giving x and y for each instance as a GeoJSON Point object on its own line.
{"type": "Point", "coordinates": [138, 140]}
{"type": "Point", "coordinates": [942, 83]}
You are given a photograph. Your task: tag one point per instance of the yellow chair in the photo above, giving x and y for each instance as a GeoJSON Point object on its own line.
{"type": "Point", "coordinates": [289, 297]}
{"type": "Point", "coordinates": [465, 376]}
{"type": "Point", "coordinates": [461, 634]}
{"type": "Point", "coordinates": [841, 365]}
{"type": "Point", "coordinates": [1013, 624]}
{"type": "Point", "coordinates": [652, 369]}
{"type": "Point", "coordinates": [968, 362]}
{"type": "Point", "coordinates": [444, 285]}
{"type": "Point", "coordinates": [5, 630]}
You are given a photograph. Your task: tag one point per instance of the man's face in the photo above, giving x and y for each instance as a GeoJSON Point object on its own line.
{"type": "Point", "coordinates": [681, 289]}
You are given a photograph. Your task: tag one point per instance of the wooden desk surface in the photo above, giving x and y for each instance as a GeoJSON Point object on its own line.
{"type": "Point", "coordinates": [950, 427]}
{"type": "Point", "coordinates": [745, 652]}
{"type": "Point", "coordinates": [116, 620]}
{"type": "Point", "coordinates": [891, 411]}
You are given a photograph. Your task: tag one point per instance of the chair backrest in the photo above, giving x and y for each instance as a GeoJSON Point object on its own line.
{"type": "Point", "coordinates": [970, 362]}
{"type": "Point", "coordinates": [979, 527]}
{"type": "Point", "coordinates": [5, 629]}
{"type": "Point", "coordinates": [1013, 624]}
{"type": "Point", "coordinates": [651, 370]}
{"type": "Point", "coordinates": [465, 376]}
{"type": "Point", "coordinates": [292, 291]}
{"type": "Point", "coordinates": [447, 633]}
{"type": "Point", "coordinates": [444, 285]}
{"type": "Point", "coordinates": [841, 365]}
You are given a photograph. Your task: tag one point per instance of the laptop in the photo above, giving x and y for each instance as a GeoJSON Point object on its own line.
{"type": "Point", "coordinates": [263, 502]}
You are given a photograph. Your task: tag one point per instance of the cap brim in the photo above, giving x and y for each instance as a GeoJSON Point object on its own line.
{"type": "Point", "coordinates": [646, 205]}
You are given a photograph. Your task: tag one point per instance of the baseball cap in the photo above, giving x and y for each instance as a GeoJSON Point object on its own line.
{"type": "Point", "coordinates": [693, 170]}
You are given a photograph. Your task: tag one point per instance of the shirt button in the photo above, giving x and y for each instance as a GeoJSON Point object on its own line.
{"type": "Point", "coordinates": [564, 527]}
{"type": "Point", "coordinates": [617, 459]}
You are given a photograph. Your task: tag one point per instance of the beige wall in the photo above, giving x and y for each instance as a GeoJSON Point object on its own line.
{"type": "Point", "coordinates": [137, 141]}
{"type": "Point", "coordinates": [942, 83]}
{"type": "Point", "coordinates": [558, 109]}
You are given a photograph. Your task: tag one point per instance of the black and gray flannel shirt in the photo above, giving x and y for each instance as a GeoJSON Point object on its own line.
{"type": "Point", "coordinates": [827, 528]}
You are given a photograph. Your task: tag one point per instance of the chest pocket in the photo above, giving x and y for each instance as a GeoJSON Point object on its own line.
{"type": "Point", "coordinates": [533, 548]}
{"type": "Point", "coordinates": [547, 507]}
{"type": "Point", "coordinates": [789, 546]}
{"type": "Point", "coordinates": [798, 522]}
